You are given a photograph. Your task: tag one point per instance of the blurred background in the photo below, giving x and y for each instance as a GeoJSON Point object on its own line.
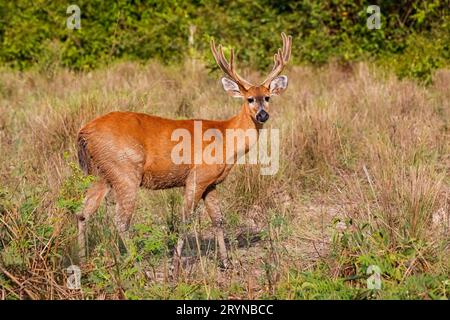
{"type": "Point", "coordinates": [413, 40]}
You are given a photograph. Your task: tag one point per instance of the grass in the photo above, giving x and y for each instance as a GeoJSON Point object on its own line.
{"type": "Point", "coordinates": [363, 180]}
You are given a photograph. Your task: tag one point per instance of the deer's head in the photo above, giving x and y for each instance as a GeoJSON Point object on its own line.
{"type": "Point", "coordinates": [256, 98]}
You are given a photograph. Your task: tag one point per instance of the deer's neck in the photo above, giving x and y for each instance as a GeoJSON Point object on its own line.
{"type": "Point", "coordinates": [244, 121]}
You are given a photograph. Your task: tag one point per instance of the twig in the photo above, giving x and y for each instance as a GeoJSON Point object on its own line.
{"type": "Point", "coordinates": [16, 281]}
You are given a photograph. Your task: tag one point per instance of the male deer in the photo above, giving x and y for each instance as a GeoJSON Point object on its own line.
{"type": "Point", "coordinates": [126, 150]}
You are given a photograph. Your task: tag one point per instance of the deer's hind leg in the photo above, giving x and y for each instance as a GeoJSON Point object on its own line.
{"type": "Point", "coordinates": [125, 196]}
{"type": "Point", "coordinates": [125, 186]}
{"type": "Point", "coordinates": [94, 197]}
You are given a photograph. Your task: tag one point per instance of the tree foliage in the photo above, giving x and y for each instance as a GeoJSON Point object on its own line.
{"type": "Point", "coordinates": [35, 32]}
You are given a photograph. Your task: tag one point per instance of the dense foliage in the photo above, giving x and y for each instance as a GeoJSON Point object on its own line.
{"type": "Point", "coordinates": [35, 32]}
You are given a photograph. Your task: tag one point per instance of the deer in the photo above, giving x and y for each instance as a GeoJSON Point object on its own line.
{"type": "Point", "coordinates": [129, 150]}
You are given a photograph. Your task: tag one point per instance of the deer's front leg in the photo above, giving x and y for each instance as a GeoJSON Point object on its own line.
{"type": "Point", "coordinates": [192, 195]}
{"type": "Point", "coordinates": [213, 208]}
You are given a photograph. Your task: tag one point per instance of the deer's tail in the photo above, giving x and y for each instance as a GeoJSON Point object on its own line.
{"type": "Point", "coordinates": [84, 158]}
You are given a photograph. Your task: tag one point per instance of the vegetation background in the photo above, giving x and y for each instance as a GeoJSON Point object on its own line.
{"type": "Point", "coordinates": [365, 157]}
{"type": "Point", "coordinates": [414, 39]}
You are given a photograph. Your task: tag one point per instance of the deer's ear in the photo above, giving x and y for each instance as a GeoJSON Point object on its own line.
{"type": "Point", "coordinates": [278, 85]}
{"type": "Point", "coordinates": [231, 88]}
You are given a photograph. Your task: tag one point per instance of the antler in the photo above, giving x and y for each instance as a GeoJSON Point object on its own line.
{"type": "Point", "coordinates": [228, 68]}
{"type": "Point", "coordinates": [280, 58]}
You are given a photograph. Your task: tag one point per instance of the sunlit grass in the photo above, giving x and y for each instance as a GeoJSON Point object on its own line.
{"type": "Point", "coordinates": [363, 181]}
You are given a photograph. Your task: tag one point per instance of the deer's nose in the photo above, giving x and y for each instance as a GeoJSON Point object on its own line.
{"type": "Point", "coordinates": [262, 116]}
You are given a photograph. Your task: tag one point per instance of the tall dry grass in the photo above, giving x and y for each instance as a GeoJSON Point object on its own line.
{"type": "Point", "coordinates": [364, 174]}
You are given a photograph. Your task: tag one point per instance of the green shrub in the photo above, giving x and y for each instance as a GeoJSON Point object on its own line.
{"type": "Point", "coordinates": [73, 189]}
{"type": "Point", "coordinates": [34, 33]}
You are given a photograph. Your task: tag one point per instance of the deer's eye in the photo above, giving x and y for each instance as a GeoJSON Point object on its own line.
{"type": "Point", "coordinates": [267, 98]}
{"type": "Point", "coordinates": [251, 100]}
